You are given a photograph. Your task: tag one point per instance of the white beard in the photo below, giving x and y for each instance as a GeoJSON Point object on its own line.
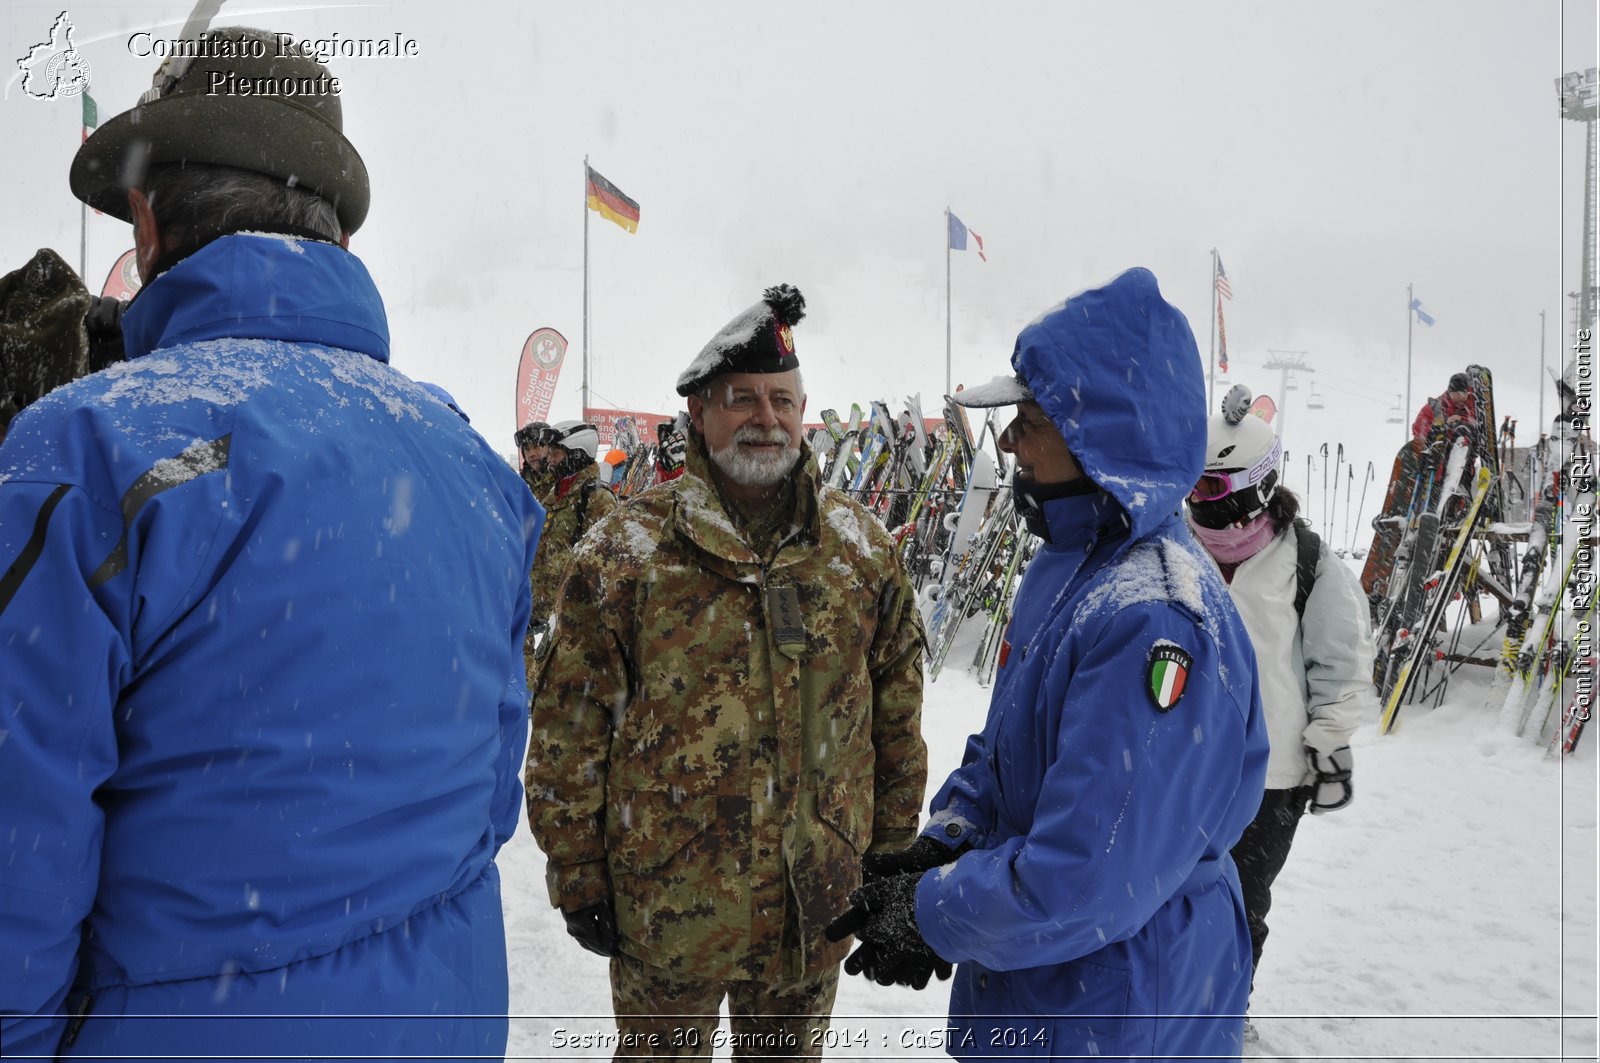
{"type": "Point", "coordinates": [756, 468]}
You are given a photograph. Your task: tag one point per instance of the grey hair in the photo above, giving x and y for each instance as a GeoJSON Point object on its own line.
{"type": "Point", "coordinates": [799, 385]}
{"type": "Point", "coordinates": [195, 203]}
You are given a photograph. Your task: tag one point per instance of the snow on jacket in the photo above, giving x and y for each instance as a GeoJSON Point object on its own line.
{"type": "Point", "coordinates": [717, 761]}
{"type": "Point", "coordinates": [1315, 673]}
{"type": "Point", "coordinates": [1100, 902]}
{"type": "Point", "coordinates": [261, 697]}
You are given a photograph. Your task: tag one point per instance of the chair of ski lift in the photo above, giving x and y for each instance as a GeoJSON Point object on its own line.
{"type": "Point", "coordinates": [1396, 416]}
{"type": "Point", "coordinates": [1314, 400]}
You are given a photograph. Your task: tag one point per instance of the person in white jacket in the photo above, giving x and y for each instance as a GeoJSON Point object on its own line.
{"type": "Point", "coordinates": [1314, 655]}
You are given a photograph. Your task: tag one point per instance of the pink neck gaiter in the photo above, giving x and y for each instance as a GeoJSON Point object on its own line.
{"type": "Point", "coordinates": [1235, 543]}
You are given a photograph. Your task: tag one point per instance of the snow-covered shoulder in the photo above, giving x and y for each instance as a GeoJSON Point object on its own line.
{"type": "Point", "coordinates": [860, 531]}
{"type": "Point", "coordinates": [1159, 569]}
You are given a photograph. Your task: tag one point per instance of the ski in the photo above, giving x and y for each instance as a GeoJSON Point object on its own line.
{"type": "Point", "coordinates": [1414, 644]}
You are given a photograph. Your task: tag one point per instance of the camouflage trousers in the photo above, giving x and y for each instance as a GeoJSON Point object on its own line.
{"type": "Point", "coordinates": [663, 1015]}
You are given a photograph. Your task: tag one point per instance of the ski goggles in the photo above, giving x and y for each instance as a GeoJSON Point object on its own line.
{"type": "Point", "coordinates": [1220, 483]}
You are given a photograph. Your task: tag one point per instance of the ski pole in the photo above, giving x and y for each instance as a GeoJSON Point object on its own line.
{"type": "Point", "coordinates": [1371, 475]}
{"type": "Point", "coordinates": [1327, 532]}
{"type": "Point", "coordinates": [1349, 489]}
{"type": "Point", "coordinates": [1324, 453]}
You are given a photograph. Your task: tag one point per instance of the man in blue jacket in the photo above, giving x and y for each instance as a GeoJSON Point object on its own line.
{"type": "Point", "coordinates": [262, 703]}
{"type": "Point", "coordinates": [1076, 865]}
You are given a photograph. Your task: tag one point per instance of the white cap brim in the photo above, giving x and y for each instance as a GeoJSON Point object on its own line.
{"type": "Point", "coordinates": [1001, 391]}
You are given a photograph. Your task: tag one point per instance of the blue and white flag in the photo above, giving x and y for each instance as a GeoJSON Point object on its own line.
{"type": "Point", "coordinates": [1422, 315]}
{"type": "Point", "coordinates": [958, 236]}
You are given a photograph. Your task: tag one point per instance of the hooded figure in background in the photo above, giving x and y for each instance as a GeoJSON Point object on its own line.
{"type": "Point", "coordinates": [52, 331]}
{"type": "Point", "coordinates": [1075, 867]}
{"type": "Point", "coordinates": [264, 596]}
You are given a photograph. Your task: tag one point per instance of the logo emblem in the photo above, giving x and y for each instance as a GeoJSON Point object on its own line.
{"type": "Point", "coordinates": [785, 339]}
{"type": "Point", "coordinates": [54, 67]}
{"type": "Point", "coordinates": [1169, 674]}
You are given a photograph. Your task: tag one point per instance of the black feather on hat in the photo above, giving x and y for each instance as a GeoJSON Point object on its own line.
{"type": "Point", "coordinates": [759, 340]}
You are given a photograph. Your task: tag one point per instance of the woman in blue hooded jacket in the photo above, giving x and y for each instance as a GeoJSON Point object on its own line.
{"type": "Point", "coordinates": [1076, 865]}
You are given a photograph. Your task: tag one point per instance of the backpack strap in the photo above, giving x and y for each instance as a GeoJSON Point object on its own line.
{"type": "Point", "coordinates": [1308, 551]}
{"type": "Point", "coordinates": [582, 523]}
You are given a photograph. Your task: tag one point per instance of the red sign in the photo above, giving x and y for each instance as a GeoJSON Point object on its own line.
{"type": "Point", "coordinates": [633, 427]}
{"type": "Point", "coordinates": [537, 372]}
{"type": "Point", "coordinates": [123, 281]}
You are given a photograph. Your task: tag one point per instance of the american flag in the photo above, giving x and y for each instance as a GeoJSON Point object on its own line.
{"type": "Point", "coordinates": [1222, 328]}
{"type": "Point", "coordinates": [1223, 288]}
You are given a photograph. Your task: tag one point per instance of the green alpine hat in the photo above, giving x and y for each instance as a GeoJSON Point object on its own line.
{"type": "Point", "coordinates": [244, 98]}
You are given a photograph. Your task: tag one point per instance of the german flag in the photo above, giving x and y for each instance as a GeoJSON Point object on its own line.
{"type": "Point", "coordinates": [608, 199]}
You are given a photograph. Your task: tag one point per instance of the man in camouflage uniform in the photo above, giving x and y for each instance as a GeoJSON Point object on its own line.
{"type": "Point", "coordinates": [727, 718]}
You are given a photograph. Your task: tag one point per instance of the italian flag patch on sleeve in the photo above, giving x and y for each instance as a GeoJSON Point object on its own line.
{"type": "Point", "coordinates": [1169, 674]}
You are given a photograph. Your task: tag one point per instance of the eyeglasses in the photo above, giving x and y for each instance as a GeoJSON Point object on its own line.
{"type": "Point", "coordinates": [1215, 485]}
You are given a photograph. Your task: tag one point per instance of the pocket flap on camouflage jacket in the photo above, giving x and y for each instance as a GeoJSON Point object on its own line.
{"type": "Point", "coordinates": [646, 828]}
{"type": "Point", "coordinates": [846, 805]}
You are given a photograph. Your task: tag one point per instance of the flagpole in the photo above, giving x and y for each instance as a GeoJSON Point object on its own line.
{"type": "Point", "coordinates": [1211, 380]}
{"type": "Point", "coordinates": [1411, 313]}
{"type": "Point", "coordinates": [1541, 379]}
{"type": "Point", "coordinates": [947, 389]}
{"type": "Point", "coordinates": [584, 412]}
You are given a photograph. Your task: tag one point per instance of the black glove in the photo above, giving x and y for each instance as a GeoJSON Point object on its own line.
{"type": "Point", "coordinates": [1333, 788]}
{"type": "Point", "coordinates": [924, 854]}
{"type": "Point", "coordinates": [595, 927]}
{"type": "Point", "coordinates": [883, 915]}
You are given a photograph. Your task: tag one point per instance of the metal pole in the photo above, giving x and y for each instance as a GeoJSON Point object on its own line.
{"type": "Point", "coordinates": [947, 390]}
{"type": "Point", "coordinates": [1211, 377]}
{"type": "Point", "coordinates": [585, 389]}
{"type": "Point", "coordinates": [83, 243]}
{"type": "Point", "coordinates": [1283, 406]}
{"type": "Point", "coordinates": [1406, 413]}
{"type": "Point", "coordinates": [1541, 377]}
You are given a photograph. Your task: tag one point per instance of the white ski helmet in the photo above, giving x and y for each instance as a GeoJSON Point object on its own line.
{"type": "Point", "coordinates": [576, 435]}
{"type": "Point", "coordinates": [1241, 471]}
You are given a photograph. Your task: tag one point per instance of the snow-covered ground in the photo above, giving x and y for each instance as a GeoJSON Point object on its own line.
{"type": "Point", "coordinates": [1449, 913]}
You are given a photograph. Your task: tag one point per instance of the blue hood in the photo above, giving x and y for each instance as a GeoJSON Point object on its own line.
{"type": "Point", "coordinates": [299, 290]}
{"type": "Point", "coordinates": [1117, 370]}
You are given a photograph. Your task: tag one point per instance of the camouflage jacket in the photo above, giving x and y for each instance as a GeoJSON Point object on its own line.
{"type": "Point", "coordinates": [567, 517]}
{"type": "Point", "coordinates": [716, 741]}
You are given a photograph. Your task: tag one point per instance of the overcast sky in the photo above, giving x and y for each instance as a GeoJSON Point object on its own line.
{"type": "Point", "coordinates": [1332, 152]}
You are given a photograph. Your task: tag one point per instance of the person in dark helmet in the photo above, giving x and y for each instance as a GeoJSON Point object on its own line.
{"type": "Point", "coordinates": [574, 501]}
{"type": "Point", "coordinates": [1075, 867]}
{"type": "Point", "coordinates": [533, 452]}
{"type": "Point", "coordinates": [1453, 407]}
{"type": "Point", "coordinates": [264, 595]}
{"type": "Point", "coordinates": [727, 718]}
{"type": "Point", "coordinates": [1308, 621]}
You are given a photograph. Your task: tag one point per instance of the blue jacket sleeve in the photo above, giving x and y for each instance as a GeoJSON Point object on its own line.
{"type": "Point", "coordinates": [1129, 803]}
{"type": "Point", "coordinates": [61, 662]}
{"type": "Point", "coordinates": [514, 702]}
{"type": "Point", "coordinates": [960, 812]}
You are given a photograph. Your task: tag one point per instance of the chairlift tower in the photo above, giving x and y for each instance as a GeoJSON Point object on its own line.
{"type": "Point", "coordinates": [1580, 102]}
{"type": "Point", "coordinates": [1286, 362]}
